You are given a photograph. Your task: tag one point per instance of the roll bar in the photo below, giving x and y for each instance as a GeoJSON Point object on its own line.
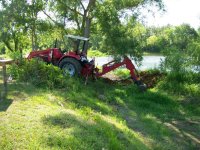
{"type": "Point", "coordinates": [77, 37]}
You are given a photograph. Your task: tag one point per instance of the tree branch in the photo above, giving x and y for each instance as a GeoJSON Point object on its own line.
{"type": "Point", "coordinates": [82, 5]}
{"type": "Point", "coordinates": [7, 45]}
{"type": "Point", "coordinates": [91, 3]}
{"type": "Point", "coordinates": [77, 22]}
{"type": "Point", "coordinates": [50, 18]}
{"type": "Point", "coordinates": [73, 10]}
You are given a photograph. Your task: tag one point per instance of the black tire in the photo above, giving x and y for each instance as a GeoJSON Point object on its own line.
{"type": "Point", "coordinates": [70, 66]}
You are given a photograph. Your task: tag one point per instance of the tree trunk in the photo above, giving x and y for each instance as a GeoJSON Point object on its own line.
{"type": "Point", "coordinates": [4, 94]}
{"type": "Point", "coordinates": [34, 37]}
{"type": "Point", "coordinates": [21, 53]}
{"type": "Point", "coordinates": [8, 45]}
{"type": "Point", "coordinates": [87, 33]}
{"type": "Point", "coordinates": [34, 17]}
{"type": "Point", "coordinates": [32, 40]}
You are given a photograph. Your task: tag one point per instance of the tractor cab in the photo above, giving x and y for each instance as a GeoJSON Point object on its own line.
{"type": "Point", "coordinates": [75, 60]}
{"type": "Point", "coordinates": [78, 44]}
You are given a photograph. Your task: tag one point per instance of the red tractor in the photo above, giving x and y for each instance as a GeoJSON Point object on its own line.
{"type": "Point", "coordinates": [76, 63]}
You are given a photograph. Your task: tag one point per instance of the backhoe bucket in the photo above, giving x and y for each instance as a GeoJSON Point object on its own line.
{"type": "Point", "coordinates": [142, 86]}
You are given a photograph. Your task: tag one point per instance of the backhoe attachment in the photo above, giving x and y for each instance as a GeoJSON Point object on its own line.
{"type": "Point", "coordinates": [129, 65]}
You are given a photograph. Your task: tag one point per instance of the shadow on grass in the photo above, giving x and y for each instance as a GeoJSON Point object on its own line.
{"type": "Point", "coordinates": [94, 95]}
{"type": "Point", "coordinates": [22, 91]}
{"type": "Point", "coordinates": [4, 104]}
{"type": "Point", "coordinates": [159, 116]}
{"type": "Point", "coordinates": [85, 134]}
{"type": "Point", "coordinates": [152, 114]}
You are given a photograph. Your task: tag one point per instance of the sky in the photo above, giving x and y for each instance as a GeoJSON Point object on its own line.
{"type": "Point", "coordinates": [177, 12]}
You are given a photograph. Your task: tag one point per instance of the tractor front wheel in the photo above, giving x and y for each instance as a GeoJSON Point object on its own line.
{"type": "Point", "coordinates": [70, 66]}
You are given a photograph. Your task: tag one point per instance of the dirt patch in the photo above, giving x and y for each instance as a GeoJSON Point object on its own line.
{"type": "Point", "coordinates": [150, 79]}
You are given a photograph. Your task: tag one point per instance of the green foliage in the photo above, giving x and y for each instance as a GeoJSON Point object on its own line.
{"type": "Point", "coordinates": [181, 55]}
{"type": "Point", "coordinates": [25, 30]}
{"type": "Point", "coordinates": [13, 27]}
{"type": "Point", "coordinates": [122, 73]}
{"type": "Point", "coordinates": [39, 74]}
{"type": "Point", "coordinates": [154, 44]}
{"type": "Point", "coordinates": [174, 62]}
{"type": "Point", "coordinates": [96, 53]}
{"type": "Point", "coordinates": [2, 48]}
{"type": "Point", "coordinates": [194, 52]}
{"type": "Point", "coordinates": [118, 39]}
{"type": "Point", "coordinates": [187, 84]}
{"type": "Point", "coordinates": [16, 55]}
{"type": "Point", "coordinates": [183, 35]}
{"type": "Point", "coordinates": [181, 44]}
{"type": "Point", "coordinates": [47, 38]}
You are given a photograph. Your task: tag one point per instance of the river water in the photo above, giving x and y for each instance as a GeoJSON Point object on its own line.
{"type": "Point", "coordinates": [148, 62]}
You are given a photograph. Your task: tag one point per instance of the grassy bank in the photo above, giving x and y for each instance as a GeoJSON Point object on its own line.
{"type": "Point", "coordinates": [99, 115]}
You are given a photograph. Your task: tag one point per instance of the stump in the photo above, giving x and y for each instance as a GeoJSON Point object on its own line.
{"type": "Point", "coordinates": [3, 63]}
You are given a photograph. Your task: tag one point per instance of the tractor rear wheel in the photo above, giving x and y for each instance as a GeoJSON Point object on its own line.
{"type": "Point", "coordinates": [70, 66]}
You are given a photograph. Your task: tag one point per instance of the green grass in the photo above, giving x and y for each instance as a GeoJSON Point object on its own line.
{"type": "Point", "coordinates": [123, 73]}
{"type": "Point", "coordinates": [152, 54]}
{"type": "Point", "coordinates": [187, 84]}
{"type": "Point", "coordinates": [4, 56]}
{"type": "Point", "coordinates": [96, 116]}
{"type": "Point", "coordinates": [96, 53]}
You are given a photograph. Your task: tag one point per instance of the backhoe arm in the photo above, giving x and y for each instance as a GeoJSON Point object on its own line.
{"type": "Point", "coordinates": [129, 65]}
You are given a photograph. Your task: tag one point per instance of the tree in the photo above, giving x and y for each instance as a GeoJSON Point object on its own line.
{"type": "Point", "coordinates": [194, 53]}
{"type": "Point", "coordinates": [183, 35]}
{"type": "Point", "coordinates": [32, 21]}
{"type": "Point", "coordinates": [19, 18]}
{"type": "Point", "coordinates": [85, 14]}
{"type": "Point", "coordinates": [76, 12]}
{"type": "Point", "coordinates": [182, 49]}
{"type": "Point", "coordinates": [13, 26]}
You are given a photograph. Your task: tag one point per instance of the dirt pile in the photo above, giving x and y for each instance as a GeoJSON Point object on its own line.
{"type": "Point", "coordinates": [149, 78]}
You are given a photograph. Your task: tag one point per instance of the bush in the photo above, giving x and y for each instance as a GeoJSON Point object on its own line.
{"type": "Point", "coordinates": [122, 73]}
{"type": "Point", "coordinates": [182, 84]}
{"type": "Point", "coordinates": [176, 61]}
{"type": "Point", "coordinates": [96, 53]}
{"type": "Point", "coordinates": [2, 48]}
{"type": "Point", "coordinates": [182, 51]}
{"type": "Point", "coordinates": [16, 55]}
{"type": "Point", "coordinates": [38, 73]}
